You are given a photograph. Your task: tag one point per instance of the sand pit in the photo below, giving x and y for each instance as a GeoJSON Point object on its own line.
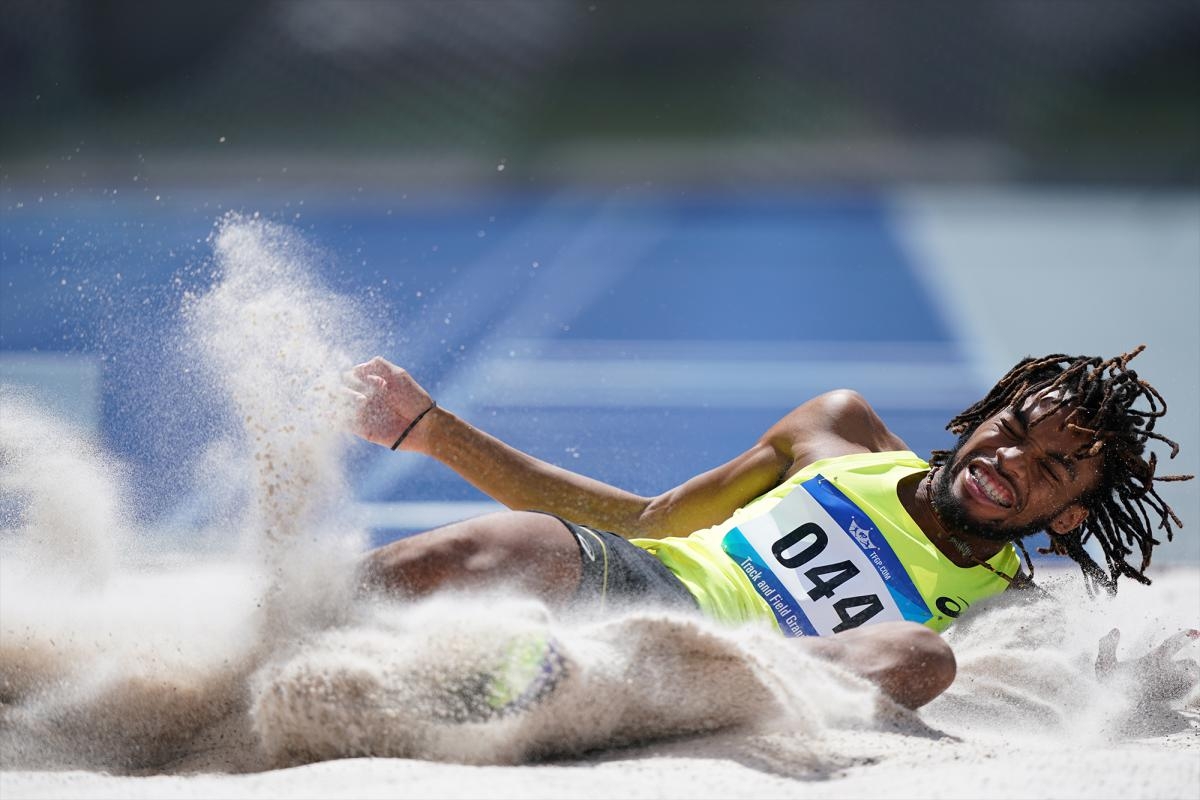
{"type": "Point", "coordinates": [655, 707]}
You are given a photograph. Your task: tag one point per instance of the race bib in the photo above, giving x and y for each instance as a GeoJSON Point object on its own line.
{"type": "Point", "coordinates": [821, 564]}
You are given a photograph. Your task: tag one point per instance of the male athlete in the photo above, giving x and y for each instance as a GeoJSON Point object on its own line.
{"type": "Point", "coordinates": [828, 526]}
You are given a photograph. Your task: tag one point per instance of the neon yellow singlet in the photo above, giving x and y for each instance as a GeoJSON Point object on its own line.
{"type": "Point", "coordinates": [829, 549]}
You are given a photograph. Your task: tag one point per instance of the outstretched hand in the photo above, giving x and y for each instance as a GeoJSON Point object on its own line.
{"type": "Point", "coordinates": [1156, 675]}
{"type": "Point", "coordinates": [387, 401]}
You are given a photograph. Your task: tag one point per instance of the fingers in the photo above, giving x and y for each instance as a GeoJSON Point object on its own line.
{"type": "Point", "coordinates": [1174, 644]}
{"type": "Point", "coordinates": [376, 366]}
{"type": "Point", "coordinates": [350, 395]}
{"type": "Point", "coordinates": [361, 371]}
{"type": "Point", "coordinates": [1106, 658]}
{"type": "Point", "coordinates": [365, 377]}
{"type": "Point", "coordinates": [1108, 645]}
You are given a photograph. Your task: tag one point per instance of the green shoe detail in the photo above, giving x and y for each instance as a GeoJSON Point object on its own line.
{"type": "Point", "coordinates": [531, 669]}
{"type": "Point", "coordinates": [525, 671]}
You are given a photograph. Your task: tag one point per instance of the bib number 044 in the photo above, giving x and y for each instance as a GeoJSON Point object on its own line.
{"type": "Point", "coordinates": [826, 578]}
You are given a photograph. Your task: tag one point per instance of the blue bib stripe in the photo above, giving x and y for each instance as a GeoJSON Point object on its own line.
{"type": "Point", "coordinates": [791, 619]}
{"type": "Point", "coordinates": [874, 545]}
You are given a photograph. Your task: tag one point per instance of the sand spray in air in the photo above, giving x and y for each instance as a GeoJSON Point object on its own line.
{"type": "Point", "coordinates": [102, 663]}
{"type": "Point", "coordinates": [1027, 668]}
{"type": "Point", "coordinates": [278, 344]}
{"type": "Point", "coordinates": [117, 655]}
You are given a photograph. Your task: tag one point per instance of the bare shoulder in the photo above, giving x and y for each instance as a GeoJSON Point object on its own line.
{"type": "Point", "coordinates": [835, 423]}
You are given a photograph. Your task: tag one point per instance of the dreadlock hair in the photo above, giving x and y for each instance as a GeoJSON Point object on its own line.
{"type": "Point", "coordinates": [1101, 394]}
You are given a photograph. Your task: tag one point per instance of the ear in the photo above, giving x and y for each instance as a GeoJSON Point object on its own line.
{"type": "Point", "coordinates": [1068, 519]}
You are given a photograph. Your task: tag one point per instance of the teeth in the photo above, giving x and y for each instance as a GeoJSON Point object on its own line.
{"type": "Point", "coordinates": [995, 492]}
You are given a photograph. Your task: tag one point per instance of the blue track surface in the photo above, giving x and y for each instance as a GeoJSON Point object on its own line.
{"type": "Point", "coordinates": [530, 314]}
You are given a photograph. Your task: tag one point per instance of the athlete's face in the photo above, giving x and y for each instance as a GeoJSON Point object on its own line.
{"type": "Point", "coordinates": [1018, 473]}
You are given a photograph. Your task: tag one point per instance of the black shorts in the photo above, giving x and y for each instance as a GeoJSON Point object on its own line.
{"type": "Point", "coordinates": [620, 575]}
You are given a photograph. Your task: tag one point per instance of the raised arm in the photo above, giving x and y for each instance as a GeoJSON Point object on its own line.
{"type": "Point", "coordinates": [833, 424]}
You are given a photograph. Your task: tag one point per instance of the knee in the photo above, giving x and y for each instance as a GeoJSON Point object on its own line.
{"type": "Point", "coordinates": [510, 549]}
{"type": "Point", "coordinates": [924, 665]}
{"type": "Point", "coordinates": [912, 664]}
{"type": "Point", "coordinates": [416, 565]}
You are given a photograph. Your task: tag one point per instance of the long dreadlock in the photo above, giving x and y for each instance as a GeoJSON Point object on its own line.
{"type": "Point", "coordinates": [1101, 395]}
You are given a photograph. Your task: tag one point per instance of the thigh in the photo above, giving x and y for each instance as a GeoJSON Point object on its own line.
{"type": "Point", "coordinates": [528, 552]}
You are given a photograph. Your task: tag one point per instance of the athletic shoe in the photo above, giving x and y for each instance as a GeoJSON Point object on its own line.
{"type": "Point", "coordinates": [527, 670]}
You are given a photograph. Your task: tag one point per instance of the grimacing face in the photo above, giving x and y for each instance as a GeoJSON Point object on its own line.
{"type": "Point", "coordinates": [1018, 473]}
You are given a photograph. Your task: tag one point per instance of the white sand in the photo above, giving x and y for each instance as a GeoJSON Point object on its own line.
{"type": "Point", "coordinates": [1024, 719]}
{"type": "Point", "coordinates": [904, 769]}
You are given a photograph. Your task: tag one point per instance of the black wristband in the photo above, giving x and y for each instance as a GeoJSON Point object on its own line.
{"type": "Point", "coordinates": [413, 424]}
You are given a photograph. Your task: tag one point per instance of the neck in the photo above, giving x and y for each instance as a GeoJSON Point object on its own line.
{"type": "Point", "coordinates": [961, 547]}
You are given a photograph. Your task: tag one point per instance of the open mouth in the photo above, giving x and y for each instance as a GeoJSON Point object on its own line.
{"type": "Point", "coordinates": [988, 483]}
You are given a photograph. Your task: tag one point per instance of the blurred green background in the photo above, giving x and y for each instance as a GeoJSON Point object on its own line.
{"type": "Point", "coordinates": [829, 92]}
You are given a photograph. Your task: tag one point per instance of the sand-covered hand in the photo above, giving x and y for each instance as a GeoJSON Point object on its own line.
{"type": "Point", "coordinates": [1158, 675]}
{"type": "Point", "coordinates": [389, 402]}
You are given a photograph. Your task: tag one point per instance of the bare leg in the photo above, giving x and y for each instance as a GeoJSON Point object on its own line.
{"type": "Point", "coordinates": [912, 664]}
{"type": "Point", "coordinates": [532, 553]}
{"type": "Point", "coordinates": [536, 554]}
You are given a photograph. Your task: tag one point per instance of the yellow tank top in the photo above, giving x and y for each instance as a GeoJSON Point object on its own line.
{"type": "Point", "coordinates": [829, 549]}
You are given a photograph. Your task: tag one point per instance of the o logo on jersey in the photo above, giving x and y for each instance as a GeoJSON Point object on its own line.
{"type": "Point", "coordinates": [950, 607]}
